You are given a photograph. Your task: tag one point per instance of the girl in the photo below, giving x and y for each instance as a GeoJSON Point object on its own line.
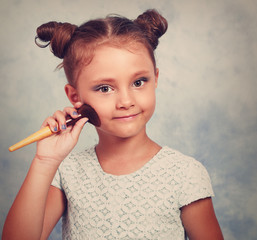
{"type": "Point", "coordinates": [127, 186]}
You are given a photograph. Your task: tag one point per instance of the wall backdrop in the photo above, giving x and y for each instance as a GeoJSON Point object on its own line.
{"type": "Point", "coordinates": [206, 97]}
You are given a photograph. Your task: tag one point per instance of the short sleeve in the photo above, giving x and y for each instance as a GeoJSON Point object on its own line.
{"type": "Point", "coordinates": [195, 183]}
{"type": "Point", "coordinates": [57, 180]}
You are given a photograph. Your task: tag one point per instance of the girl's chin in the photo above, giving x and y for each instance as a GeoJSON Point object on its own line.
{"type": "Point", "coordinates": [123, 133]}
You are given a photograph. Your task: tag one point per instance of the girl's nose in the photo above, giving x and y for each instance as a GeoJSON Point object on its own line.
{"type": "Point", "coordinates": [125, 100]}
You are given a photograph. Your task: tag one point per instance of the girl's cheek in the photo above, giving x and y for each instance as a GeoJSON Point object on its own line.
{"type": "Point", "coordinates": [103, 111]}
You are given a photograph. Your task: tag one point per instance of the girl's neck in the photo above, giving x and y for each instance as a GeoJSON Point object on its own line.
{"type": "Point", "coordinates": [123, 156]}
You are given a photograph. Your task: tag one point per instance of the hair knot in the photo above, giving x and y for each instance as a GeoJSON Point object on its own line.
{"type": "Point", "coordinates": [58, 35]}
{"type": "Point", "coordinates": [153, 25]}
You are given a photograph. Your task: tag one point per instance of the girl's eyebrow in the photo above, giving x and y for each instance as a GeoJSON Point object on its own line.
{"type": "Point", "coordinates": [143, 72]}
{"type": "Point", "coordinates": [112, 80]}
{"type": "Point", "coordinates": [103, 80]}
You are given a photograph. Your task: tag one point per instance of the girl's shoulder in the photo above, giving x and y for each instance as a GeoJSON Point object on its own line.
{"type": "Point", "coordinates": [173, 157]}
{"type": "Point", "coordinates": [179, 166]}
{"type": "Point", "coordinates": [189, 177]}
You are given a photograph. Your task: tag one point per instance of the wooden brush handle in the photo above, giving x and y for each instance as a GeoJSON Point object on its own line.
{"type": "Point", "coordinates": [42, 133]}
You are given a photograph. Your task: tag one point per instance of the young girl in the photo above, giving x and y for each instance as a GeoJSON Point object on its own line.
{"type": "Point", "coordinates": [127, 186]}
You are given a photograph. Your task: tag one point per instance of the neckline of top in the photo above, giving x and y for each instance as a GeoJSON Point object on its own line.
{"type": "Point", "coordinates": [135, 173]}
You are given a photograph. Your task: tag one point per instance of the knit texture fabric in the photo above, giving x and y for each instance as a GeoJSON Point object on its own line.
{"type": "Point", "coordinates": [141, 205]}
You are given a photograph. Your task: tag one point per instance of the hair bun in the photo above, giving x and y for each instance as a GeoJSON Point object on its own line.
{"type": "Point", "coordinates": [153, 24]}
{"type": "Point", "coordinates": [58, 35]}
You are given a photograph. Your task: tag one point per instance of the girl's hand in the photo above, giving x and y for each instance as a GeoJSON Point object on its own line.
{"type": "Point", "coordinates": [55, 148]}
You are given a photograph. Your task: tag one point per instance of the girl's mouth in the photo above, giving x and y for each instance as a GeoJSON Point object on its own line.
{"type": "Point", "coordinates": [126, 117]}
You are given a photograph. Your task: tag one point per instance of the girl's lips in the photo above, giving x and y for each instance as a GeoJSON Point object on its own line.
{"type": "Point", "coordinates": [127, 117]}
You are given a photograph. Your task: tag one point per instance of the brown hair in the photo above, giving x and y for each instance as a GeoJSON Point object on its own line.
{"type": "Point", "coordinates": [76, 45]}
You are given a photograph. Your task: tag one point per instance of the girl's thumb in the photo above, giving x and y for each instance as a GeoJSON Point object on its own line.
{"type": "Point", "coordinates": [77, 128]}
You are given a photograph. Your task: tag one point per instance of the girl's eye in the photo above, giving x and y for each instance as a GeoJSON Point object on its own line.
{"type": "Point", "coordinates": [104, 88]}
{"type": "Point", "coordinates": [140, 82]}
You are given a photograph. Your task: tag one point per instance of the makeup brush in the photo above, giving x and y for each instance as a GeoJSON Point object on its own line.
{"type": "Point", "coordinates": [84, 111]}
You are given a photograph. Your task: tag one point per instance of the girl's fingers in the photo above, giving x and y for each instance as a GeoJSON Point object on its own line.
{"type": "Point", "coordinates": [57, 122]}
{"type": "Point", "coordinates": [60, 118]}
{"type": "Point", "coordinates": [51, 122]}
{"type": "Point", "coordinates": [71, 112]}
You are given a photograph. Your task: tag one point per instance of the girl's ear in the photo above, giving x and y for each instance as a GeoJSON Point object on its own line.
{"type": "Point", "coordinates": [72, 94]}
{"type": "Point", "coordinates": [156, 77]}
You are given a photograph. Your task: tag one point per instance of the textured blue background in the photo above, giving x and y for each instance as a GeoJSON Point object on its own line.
{"type": "Point", "coordinates": [206, 100]}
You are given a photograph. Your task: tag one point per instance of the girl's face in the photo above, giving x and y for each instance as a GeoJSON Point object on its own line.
{"type": "Point", "coordinates": [120, 85]}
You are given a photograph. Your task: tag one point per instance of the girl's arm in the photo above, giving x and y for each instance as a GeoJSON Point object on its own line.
{"type": "Point", "coordinates": [38, 206]}
{"type": "Point", "coordinates": [200, 221]}
{"type": "Point", "coordinates": [55, 207]}
{"type": "Point", "coordinates": [26, 217]}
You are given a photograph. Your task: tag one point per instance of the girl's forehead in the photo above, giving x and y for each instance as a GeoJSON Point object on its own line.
{"type": "Point", "coordinates": [105, 54]}
{"type": "Point", "coordinates": [82, 55]}
{"type": "Point", "coordinates": [116, 62]}
{"type": "Point", "coordinates": [109, 58]}
{"type": "Point", "coordinates": [119, 57]}
{"type": "Point", "coordinates": [133, 48]}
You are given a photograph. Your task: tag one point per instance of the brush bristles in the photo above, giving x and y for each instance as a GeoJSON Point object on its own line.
{"type": "Point", "coordinates": [87, 111]}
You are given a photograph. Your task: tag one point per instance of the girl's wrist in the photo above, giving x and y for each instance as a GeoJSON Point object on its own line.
{"type": "Point", "coordinates": [46, 165]}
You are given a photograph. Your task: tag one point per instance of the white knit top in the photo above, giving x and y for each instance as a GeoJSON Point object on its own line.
{"type": "Point", "coordinates": [141, 205]}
